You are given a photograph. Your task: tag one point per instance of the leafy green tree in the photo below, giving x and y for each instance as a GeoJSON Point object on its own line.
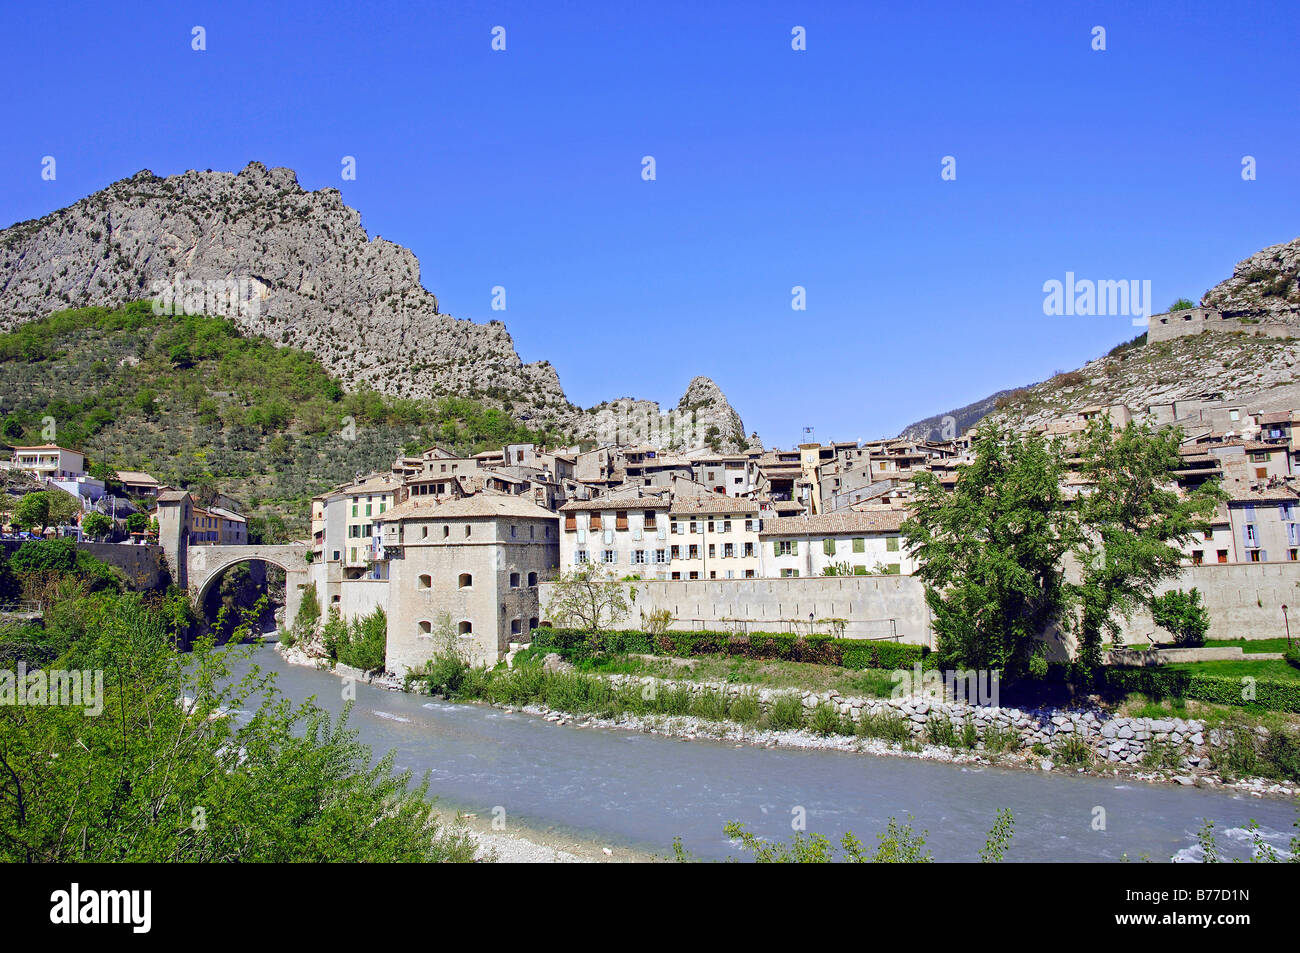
{"type": "Point", "coordinates": [1182, 304]}
{"type": "Point", "coordinates": [137, 523]}
{"type": "Point", "coordinates": [1182, 615]}
{"type": "Point", "coordinates": [63, 507]}
{"type": "Point", "coordinates": [1134, 521]}
{"type": "Point", "coordinates": [96, 525]}
{"type": "Point", "coordinates": [151, 780]}
{"type": "Point", "coordinates": [587, 597]}
{"type": "Point", "coordinates": [990, 553]}
{"type": "Point", "coordinates": [33, 511]}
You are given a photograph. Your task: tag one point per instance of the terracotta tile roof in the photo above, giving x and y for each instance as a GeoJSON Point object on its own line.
{"type": "Point", "coordinates": [712, 503]}
{"type": "Point", "coordinates": [486, 504]}
{"type": "Point", "coordinates": [841, 523]}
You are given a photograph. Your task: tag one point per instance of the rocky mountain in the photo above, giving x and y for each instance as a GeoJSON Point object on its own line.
{"type": "Point", "coordinates": [1266, 283]}
{"type": "Point", "coordinates": [702, 418]}
{"type": "Point", "coordinates": [298, 268]}
{"type": "Point", "coordinates": [1238, 363]}
{"type": "Point", "coordinates": [954, 422]}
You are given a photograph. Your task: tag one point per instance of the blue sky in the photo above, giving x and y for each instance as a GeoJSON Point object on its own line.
{"type": "Point", "coordinates": [775, 168]}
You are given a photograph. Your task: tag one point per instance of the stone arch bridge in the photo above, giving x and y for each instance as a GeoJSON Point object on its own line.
{"type": "Point", "coordinates": [204, 564]}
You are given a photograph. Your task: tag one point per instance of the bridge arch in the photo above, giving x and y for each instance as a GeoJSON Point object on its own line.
{"type": "Point", "coordinates": [205, 565]}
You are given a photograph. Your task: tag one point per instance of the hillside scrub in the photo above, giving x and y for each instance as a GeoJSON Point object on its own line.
{"type": "Point", "coordinates": [195, 402]}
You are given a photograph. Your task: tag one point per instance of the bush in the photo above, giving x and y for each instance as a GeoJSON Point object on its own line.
{"type": "Point", "coordinates": [1292, 656]}
{"type": "Point", "coordinates": [1158, 682]}
{"type": "Point", "coordinates": [886, 725]}
{"type": "Point", "coordinates": [577, 644]}
{"type": "Point", "coordinates": [786, 712]}
{"type": "Point", "coordinates": [825, 720]}
{"type": "Point", "coordinates": [939, 731]}
{"type": "Point", "coordinates": [1182, 615]}
{"type": "Point", "coordinates": [745, 708]}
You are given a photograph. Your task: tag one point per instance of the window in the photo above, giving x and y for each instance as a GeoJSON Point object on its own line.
{"type": "Point", "coordinates": [677, 552]}
{"type": "Point", "coordinates": [661, 556]}
{"type": "Point", "coordinates": [611, 557]}
{"type": "Point", "coordinates": [828, 547]}
{"type": "Point", "coordinates": [532, 623]}
{"type": "Point", "coordinates": [512, 532]}
{"type": "Point", "coordinates": [516, 626]}
{"type": "Point", "coordinates": [580, 557]}
{"type": "Point", "coordinates": [426, 627]}
{"type": "Point", "coordinates": [424, 534]}
{"type": "Point", "coordinates": [1197, 557]}
{"type": "Point", "coordinates": [728, 550]}
{"type": "Point", "coordinates": [465, 628]}
{"type": "Point", "coordinates": [1223, 555]}
{"type": "Point", "coordinates": [465, 580]}
{"type": "Point", "coordinates": [467, 530]}
{"type": "Point", "coordinates": [749, 549]}
{"type": "Point", "coordinates": [789, 573]}
{"type": "Point", "coordinates": [514, 580]}
{"type": "Point", "coordinates": [446, 531]}
{"type": "Point", "coordinates": [1254, 555]}
{"type": "Point", "coordinates": [785, 547]}
{"type": "Point", "coordinates": [638, 556]}
{"type": "Point", "coordinates": [859, 545]}
{"type": "Point", "coordinates": [426, 581]}
{"type": "Point", "coordinates": [532, 579]}
{"type": "Point", "coordinates": [712, 550]}
{"type": "Point", "coordinates": [891, 544]}
{"type": "Point", "coordinates": [693, 552]}
{"type": "Point", "coordinates": [749, 526]}
{"type": "Point", "coordinates": [677, 576]}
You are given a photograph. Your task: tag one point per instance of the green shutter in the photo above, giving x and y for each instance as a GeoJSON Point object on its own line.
{"type": "Point", "coordinates": [794, 548]}
{"type": "Point", "coordinates": [859, 545]}
{"type": "Point", "coordinates": [891, 544]}
{"type": "Point", "coordinates": [828, 547]}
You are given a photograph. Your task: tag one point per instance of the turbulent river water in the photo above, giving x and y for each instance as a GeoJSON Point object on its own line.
{"type": "Point", "coordinates": [640, 791]}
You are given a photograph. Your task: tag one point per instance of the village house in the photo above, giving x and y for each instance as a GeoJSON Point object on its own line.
{"type": "Point", "coordinates": [858, 543]}
{"type": "Point", "coordinates": [1264, 524]}
{"type": "Point", "coordinates": [627, 533]}
{"type": "Point", "coordinates": [464, 574]}
{"type": "Point", "coordinates": [49, 462]}
{"type": "Point", "coordinates": [713, 537]}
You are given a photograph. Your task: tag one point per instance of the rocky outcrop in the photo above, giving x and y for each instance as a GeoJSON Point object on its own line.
{"type": "Point", "coordinates": [702, 418]}
{"type": "Point", "coordinates": [304, 272]}
{"type": "Point", "coordinates": [1266, 284]}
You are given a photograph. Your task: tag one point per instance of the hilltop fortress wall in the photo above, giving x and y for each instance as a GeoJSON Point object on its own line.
{"type": "Point", "coordinates": [1177, 324]}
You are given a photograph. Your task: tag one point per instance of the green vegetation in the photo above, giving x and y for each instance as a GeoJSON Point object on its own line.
{"type": "Point", "coordinates": [899, 844]}
{"type": "Point", "coordinates": [1182, 304]}
{"type": "Point", "coordinates": [579, 644]}
{"type": "Point", "coordinates": [360, 643]}
{"type": "Point", "coordinates": [992, 551]}
{"type": "Point", "coordinates": [198, 404]}
{"type": "Point", "coordinates": [163, 774]}
{"type": "Point", "coordinates": [1249, 646]}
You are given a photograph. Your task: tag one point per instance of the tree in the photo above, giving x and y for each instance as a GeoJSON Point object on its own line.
{"type": "Point", "coordinates": [33, 511]}
{"type": "Point", "coordinates": [1182, 615]}
{"type": "Point", "coordinates": [990, 553]}
{"type": "Point", "coordinates": [64, 507]}
{"type": "Point", "coordinates": [96, 525]}
{"type": "Point", "coordinates": [285, 783]}
{"type": "Point", "coordinates": [137, 523]}
{"type": "Point", "coordinates": [587, 597]}
{"type": "Point", "coordinates": [1133, 522]}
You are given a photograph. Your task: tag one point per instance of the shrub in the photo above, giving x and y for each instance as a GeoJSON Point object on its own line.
{"type": "Point", "coordinates": [710, 703]}
{"type": "Point", "coordinates": [998, 740]}
{"type": "Point", "coordinates": [1159, 682]}
{"type": "Point", "coordinates": [575, 644]}
{"type": "Point", "coordinates": [786, 712]}
{"type": "Point", "coordinates": [746, 709]}
{"type": "Point", "coordinates": [825, 720]}
{"type": "Point", "coordinates": [886, 725]}
{"type": "Point", "coordinates": [1072, 749]}
{"type": "Point", "coordinates": [1182, 615]}
{"type": "Point", "coordinates": [939, 731]}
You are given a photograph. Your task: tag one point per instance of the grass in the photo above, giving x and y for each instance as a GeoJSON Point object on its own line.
{"type": "Point", "coordinates": [1269, 668]}
{"type": "Point", "coordinates": [801, 676]}
{"type": "Point", "coordinates": [1250, 646]}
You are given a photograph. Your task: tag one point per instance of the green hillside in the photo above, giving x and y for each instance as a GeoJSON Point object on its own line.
{"type": "Point", "coordinates": [199, 405]}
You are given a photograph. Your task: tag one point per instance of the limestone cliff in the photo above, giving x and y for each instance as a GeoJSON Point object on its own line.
{"type": "Point", "coordinates": [302, 272]}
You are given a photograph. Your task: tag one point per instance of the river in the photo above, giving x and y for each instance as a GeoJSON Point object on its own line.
{"type": "Point", "coordinates": [640, 791]}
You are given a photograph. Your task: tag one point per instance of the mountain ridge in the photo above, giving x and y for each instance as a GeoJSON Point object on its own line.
{"type": "Point", "coordinates": [308, 276]}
